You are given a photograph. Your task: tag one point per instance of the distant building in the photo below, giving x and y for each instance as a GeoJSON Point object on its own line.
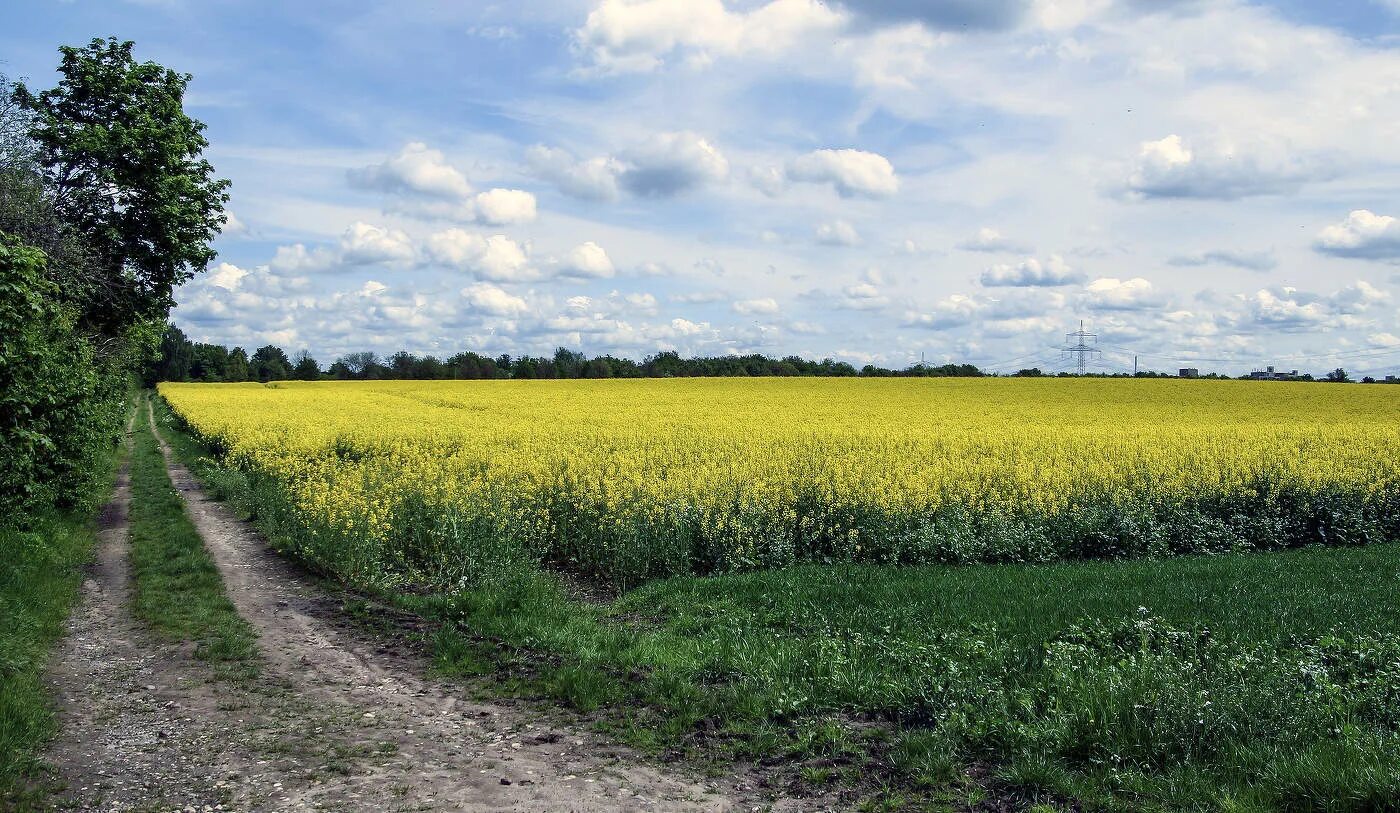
{"type": "Point", "coordinates": [1390, 379]}
{"type": "Point", "coordinates": [1188, 372]}
{"type": "Point", "coordinates": [1270, 374]}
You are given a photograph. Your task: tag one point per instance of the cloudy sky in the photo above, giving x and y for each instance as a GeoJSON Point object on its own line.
{"type": "Point", "coordinates": [1208, 182]}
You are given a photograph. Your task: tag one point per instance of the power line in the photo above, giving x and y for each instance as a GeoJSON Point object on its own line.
{"type": "Point", "coordinates": [1080, 345]}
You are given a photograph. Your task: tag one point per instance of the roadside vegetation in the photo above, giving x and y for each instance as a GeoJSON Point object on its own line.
{"type": "Point", "coordinates": [1240, 681]}
{"type": "Point", "coordinates": [43, 561]}
{"type": "Point", "coordinates": [105, 206]}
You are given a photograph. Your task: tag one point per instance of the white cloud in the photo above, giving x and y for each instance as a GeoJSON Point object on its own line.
{"type": "Point", "coordinates": [1364, 234]}
{"type": "Point", "coordinates": [700, 297]}
{"type": "Point", "coordinates": [499, 207]}
{"type": "Point", "coordinates": [837, 233]}
{"type": "Point", "coordinates": [685, 327]}
{"type": "Point", "coordinates": [622, 36]}
{"type": "Point", "coordinates": [366, 244]}
{"type": "Point", "coordinates": [992, 241]}
{"type": "Point", "coordinates": [854, 173]}
{"type": "Point", "coordinates": [593, 179]}
{"type": "Point", "coordinates": [587, 260]}
{"type": "Point", "coordinates": [1384, 340]}
{"type": "Point", "coordinates": [1113, 294]}
{"type": "Point", "coordinates": [1288, 309]}
{"type": "Point", "coordinates": [1357, 298]}
{"type": "Point", "coordinates": [1171, 168]}
{"type": "Point", "coordinates": [487, 298]}
{"type": "Point", "coordinates": [1032, 273]}
{"type": "Point", "coordinates": [416, 169]}
{"type": "Point", "coordinates": [750, 307]}
{"type": "Point", "coordinates": [663, 165]}
{"type": "Point", "coordinates": [496, 257]}
{"type": "Point", "coordinates": [670, 163]}
{"type": "Point", "coordinates": [233, 227]}
{"type": "Point", "coordinates": [226, 276]}
{"type": "Point", "coordinates": [862, 296]}
{"type": "Point", "coordinates": [361, 244]}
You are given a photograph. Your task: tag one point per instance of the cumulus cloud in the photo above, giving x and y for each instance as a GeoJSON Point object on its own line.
{"type": "Point", "coordinates": [361, 244]}
{"type": "Point", "coordinates": [670, 163]}
{"type": "Point", "coordinates": [853, 173]}
{"type": "Point", "coordinates": [862, 296]}
{"type": "Point", "coordinates": [366, 244]}
{"type": "Point", "coordinates": [700, 297]}
{"type": "Point", "coordinates": [664, 165]}
{"type": "Point", "coordinates": [1364, 234]}
{"type": "Point", "coordinates": [496, 257]}
{"type": "Point", "coordinates": [416, 169]}
{"type": "Point", "coordinates": [233, 227]}
{"type": "Point", "coordinates": [628, 36]}
{"type": "Point", "coordinates": [1032, 273]}
{"type": "Point", "coordinates": [1113, 294]}
{"type": "Point", "coordinates": [1249, 260]}
{"type": "Point", "coordinates": [487, 298]}
{"type": "Point", "coordinates": [992, 241]}
{"type": "Point", "coordinates": [587, 260]}
{"type": "Point", "coordinates": [593, 179]}
{"type": "Point", "coordinates": [837, 233]}
{"type": "Point", "coordinates": [500, 207]}
{"type": "Point", "coordinates": [422, 184]}
{"type": "Point", "coordinates": [750, 307]}
{"type": "Point", "coordinates": [1288, 309]}
{"type": "Point", "coordinates": [960, 310]}
{"type": "Point", "coordinates": [1172, 168]}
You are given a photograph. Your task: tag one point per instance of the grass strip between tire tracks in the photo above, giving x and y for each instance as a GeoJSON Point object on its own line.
{"type": "Point", "coordinates": [176, 585]}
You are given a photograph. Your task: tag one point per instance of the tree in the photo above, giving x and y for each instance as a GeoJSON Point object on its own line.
{"type": "Point", "coordinates": [1338, 376]}
{"type": "Point", "coordinates": [124, 166]}
{"type": "Point", "coordinates": [176, 357]}
{"type": "Point", "coordinates": [269, 363]}
{"type": "Point", "coordinates": [237, 369]}
{"type": "Point", "coordinates": [304, 367]}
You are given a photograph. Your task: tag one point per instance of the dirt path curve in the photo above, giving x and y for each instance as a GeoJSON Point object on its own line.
{"type": "Point", "coordinates": [405, 742]}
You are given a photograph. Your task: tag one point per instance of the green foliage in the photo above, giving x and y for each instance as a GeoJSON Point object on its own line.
{"type": "Point", "coordinates": [38, 583]}
{"type": "Point", "coordinates": [123, 167]}
{"type": "Point", "coordinates": [59, 405]}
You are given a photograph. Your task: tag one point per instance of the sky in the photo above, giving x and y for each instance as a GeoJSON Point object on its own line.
{"type": "Point", "coordinates": [1206, 183]}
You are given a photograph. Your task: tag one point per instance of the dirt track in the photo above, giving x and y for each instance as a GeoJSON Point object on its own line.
{"type": "Point", "coordinates": [337, 721]}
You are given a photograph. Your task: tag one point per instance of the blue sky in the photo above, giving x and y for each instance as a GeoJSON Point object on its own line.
{"type": "Point", "coordinates": [1204, 182]}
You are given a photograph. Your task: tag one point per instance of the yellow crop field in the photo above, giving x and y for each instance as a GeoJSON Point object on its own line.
{"type": "Point", "coordinates": [632, 479]}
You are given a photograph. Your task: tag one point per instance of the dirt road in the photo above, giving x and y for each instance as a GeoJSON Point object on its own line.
{"type": "Point", "coordinates": [337, 720]}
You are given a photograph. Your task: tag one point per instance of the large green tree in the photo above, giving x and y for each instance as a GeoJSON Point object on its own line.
{"type": "Point", "coordinates": [124, 167]}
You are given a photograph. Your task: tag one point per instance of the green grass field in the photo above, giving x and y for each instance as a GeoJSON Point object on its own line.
{"type": "Point", "coordinates": [1247, 682]}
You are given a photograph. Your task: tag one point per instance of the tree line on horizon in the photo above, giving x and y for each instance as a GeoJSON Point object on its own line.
{"type": "Point", "coordinates": [180, 359]}
{"type": "Point", "coordinates": [183, 360]}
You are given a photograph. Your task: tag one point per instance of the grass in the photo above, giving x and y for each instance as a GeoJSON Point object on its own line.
{"type": "Point", "coordinates": [1243, 682]}
{"type": "Point", "coordinates": [43, 560]}
{"type": "Point", "coordinates": [177, 589]}
{"type": "Point", "coordinates": [43, 557]}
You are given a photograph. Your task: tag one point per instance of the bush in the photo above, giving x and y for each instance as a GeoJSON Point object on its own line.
{"type": "Point", "coordinates": [57, 408]}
